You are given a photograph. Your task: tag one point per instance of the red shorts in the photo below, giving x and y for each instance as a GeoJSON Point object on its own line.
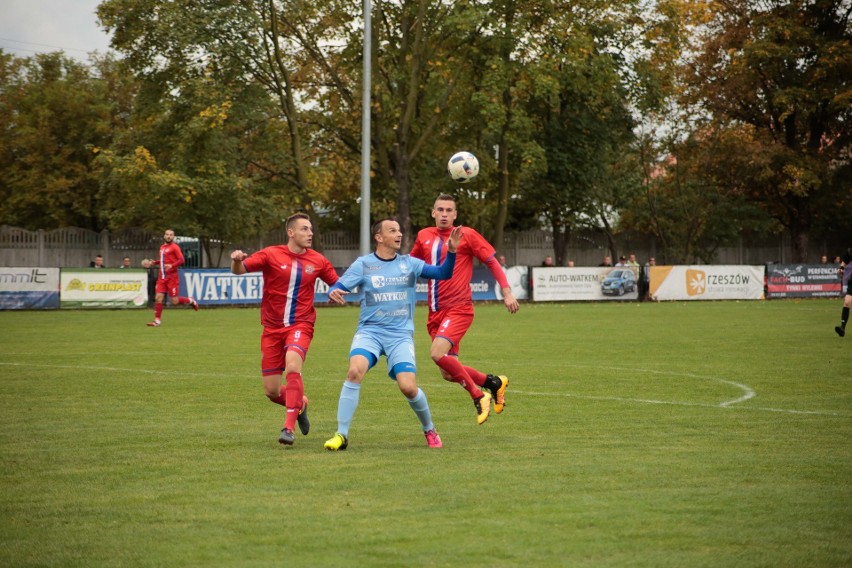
{"type": "Point", "coordinates": [450, 324]}
{"type": "Point", "coordinates": [169, 285]}
{"type": "Point", "coordinates": [275, 342]}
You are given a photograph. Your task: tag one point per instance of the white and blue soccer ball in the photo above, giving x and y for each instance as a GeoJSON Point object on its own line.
{"type": "Point", "coordinates": [463, 167]}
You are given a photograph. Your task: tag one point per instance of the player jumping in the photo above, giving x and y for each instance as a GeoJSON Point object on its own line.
{"type": "Point", "coordinates": [451, 304]}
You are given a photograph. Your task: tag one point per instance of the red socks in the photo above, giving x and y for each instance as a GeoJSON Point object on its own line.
{"type": "Point", "coordinates": [158, 310]}
{"type": "Point", "coordinates": [294, 390]}
{"type": "Point", "coordinates": [478, 376]}
{"type": "Point", "coordinates": [459, 374]}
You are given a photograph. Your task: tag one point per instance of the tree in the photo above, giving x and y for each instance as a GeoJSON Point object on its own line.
{"type": "Point", "coordinates": [53, 111]}
{"type": "Point", "coordinates": [776, 72]}
{"type": "Point", "coordinates": [196, 165]}
{"type": "Point", "coordinates": [173, 45]}
{"type": "Point", "coordinates": [574, 101]}
{"type": "Point", "coordinates": [684, 201]}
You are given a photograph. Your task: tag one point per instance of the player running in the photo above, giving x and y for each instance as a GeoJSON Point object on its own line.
{"type": "Point", "coordinates": [386, 325]}
{"type": "Point", "coordinates": [451, 305]}
{"type": "Point", "coordinates": [287, 314]}
{"type": "Point", "coordinates": [168, 278]}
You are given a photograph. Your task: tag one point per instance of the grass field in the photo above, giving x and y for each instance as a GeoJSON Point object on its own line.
{"type": "Point", "coordinates": [677, 434]}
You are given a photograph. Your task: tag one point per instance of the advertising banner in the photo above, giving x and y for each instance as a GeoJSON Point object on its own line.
{"type": "Point", "coordinates": [724, 282]}
{"type": "Point", "coordinates": [103, 288]}
{"type": "Point", "coordinates": [29, 288]}
{"type": "Point", "coordinates": [218, 286]}
{"type": "Point", "coordinates": [551, 284]}
{"type": "Point", "coordinates": [483, 287]}
{"type": "Point", "coordinates": [802, 281]}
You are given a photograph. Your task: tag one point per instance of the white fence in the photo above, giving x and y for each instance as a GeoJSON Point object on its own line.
{"type": "Point", "coordinates": [75, 247]}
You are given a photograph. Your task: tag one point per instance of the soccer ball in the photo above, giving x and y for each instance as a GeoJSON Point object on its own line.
{"type": "Point", "coordinates": [463, 167]}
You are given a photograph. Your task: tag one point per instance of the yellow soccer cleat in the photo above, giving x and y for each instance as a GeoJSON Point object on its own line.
{"type": "Point", "coordinates": [337, 442]}
{"type": "Point", "coordinates": [483, 407]}
{"type": "Point", "coordinates": [499, 398]}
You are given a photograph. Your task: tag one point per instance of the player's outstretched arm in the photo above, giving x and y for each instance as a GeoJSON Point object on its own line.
{"type": "Point", "coordinates": [500, 276]}
{"type": "Point", "coordinates": [455, 238]}
{"type": "Point", "coordinates": [337, 293]}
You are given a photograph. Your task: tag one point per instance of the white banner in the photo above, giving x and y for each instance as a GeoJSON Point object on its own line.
{"type": "Point", "coordinates": [554, 284]}
{"type": "Point", "coordinates": [103, 288]}
{"type": "Point", "coordinates": [29, 288]}
{"type": "Point", "coordinates": [725, 282]}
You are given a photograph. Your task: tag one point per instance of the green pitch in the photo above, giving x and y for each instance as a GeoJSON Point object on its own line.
{"type": "Point", "coordinates": [679, 434]}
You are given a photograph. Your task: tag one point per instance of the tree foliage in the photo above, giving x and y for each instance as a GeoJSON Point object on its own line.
{"type": "Point", "coordinates": [224, 117]}
{"type": "Point", "coordinates": [53, 111]}
{"type": "Point", "coordinates": [775, 74]}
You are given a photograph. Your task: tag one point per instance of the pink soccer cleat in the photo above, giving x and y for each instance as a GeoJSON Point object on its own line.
{"type": "Point", "coordinates": [433, 439]}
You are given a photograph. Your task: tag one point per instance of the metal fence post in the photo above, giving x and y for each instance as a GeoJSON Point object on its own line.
{"type": "Point", "coordinates": [40, 246]}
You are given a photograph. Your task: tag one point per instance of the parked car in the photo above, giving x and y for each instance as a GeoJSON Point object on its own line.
{"type": "Point", "coordinates": [619, 282]}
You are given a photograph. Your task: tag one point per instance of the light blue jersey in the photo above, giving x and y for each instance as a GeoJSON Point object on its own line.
{"type": "Point", "coordinates": [386, 327]}
{"type": "Point", "coordinates": [388, 288]}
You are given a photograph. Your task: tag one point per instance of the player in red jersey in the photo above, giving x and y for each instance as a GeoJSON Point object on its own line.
{"type": "Point", "coordinates": [287, 314]}
{"type": "Point", "coordinates": [168, 279]}
{"type": "Point", "coordinates": [451, 304]}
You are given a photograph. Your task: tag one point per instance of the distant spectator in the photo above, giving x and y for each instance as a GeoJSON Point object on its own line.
{"type": "Point", "coordinates": [548, 261]}
{"type": "Point", "coordinates": [125, 262]}
{"type": "Point", "coordinates": [570, 264]}
{"type": "Point", "coordinates": [502, 260]}
{"type": "Point", "coordinates": [846, 290]}
{"type": "Point", "coordinates": [607, 261]}
{"type": "Point", "coordinates": [838, 260]}
{"type": "Point", "coordinates": [645, 281]}
{"type": "Point", "coordinates": [634, 266]}
{"type": "Point", "coordinates": [823, 259]}
{"type": "Point", "coordinates": [98, 262]}
{"type": "Point", "coordinates": [622, 261]}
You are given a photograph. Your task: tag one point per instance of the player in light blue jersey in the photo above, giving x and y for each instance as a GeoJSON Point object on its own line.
{"type": "Point", "coordinates": [387, 280]}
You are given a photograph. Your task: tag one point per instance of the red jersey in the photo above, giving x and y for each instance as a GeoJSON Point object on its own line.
{"type": "Point", "coordinates": [170, 253]}
{"type": "Point", "coordinates": [431, 246]}
{"type": "Point", "coordinates": [288, 284]}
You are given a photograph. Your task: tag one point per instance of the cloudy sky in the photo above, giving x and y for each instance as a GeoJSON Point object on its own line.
{"type": "Point", "coordinates": [39, 26]}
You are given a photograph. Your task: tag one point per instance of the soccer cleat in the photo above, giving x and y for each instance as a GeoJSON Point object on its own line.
{"type": "Point", "coordinates": [193, 303]}
{"type": "Point", "coordinates": [483, 407]}
{"type": "Point", "coordinates": [155, 323]}
{"type": "Point", "coordinates": [287, 437]}
{"type": "Point", "coordinates": [302, 419]}
{"type": "Point", "coordinates": [840, 331]}
{"type": "Point", "coordinates": [337, 442]}
{"type": "Point", "coordinates": [433, 439]}
{"type": "Point", "coordinates": [499, 394]}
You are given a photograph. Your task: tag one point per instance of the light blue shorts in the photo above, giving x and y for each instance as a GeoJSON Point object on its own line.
{"type": "Point", "coordinates": [397, 347]}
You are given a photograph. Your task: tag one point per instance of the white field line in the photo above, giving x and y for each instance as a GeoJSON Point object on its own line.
{"type": "Point", "coordinates": [747, 391]}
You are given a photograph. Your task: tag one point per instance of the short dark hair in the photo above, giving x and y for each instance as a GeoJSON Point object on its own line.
{"type": "Point", "coordinates": [377, 226]}
{"type": "Point", "coordinates": [445, 197]}
{"type": "Point", "coordinates": [295, 217]}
